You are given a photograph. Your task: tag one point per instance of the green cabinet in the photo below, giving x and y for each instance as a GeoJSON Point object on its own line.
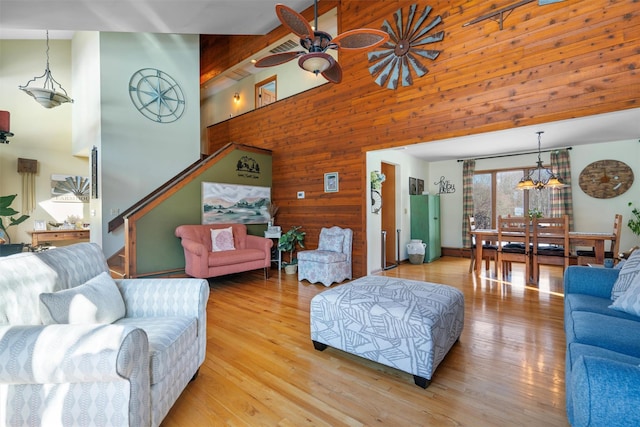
{"type": "Point", "coordinates": [425, 224]}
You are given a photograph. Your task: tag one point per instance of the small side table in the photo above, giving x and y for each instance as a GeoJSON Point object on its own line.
{"type": "Point", "coordinates": [275, 235]}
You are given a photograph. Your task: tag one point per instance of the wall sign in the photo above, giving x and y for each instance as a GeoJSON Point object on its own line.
{"type": "Point", "coordinates": [445, 186]}
{"type": "Point", "coordinates": [248, 167]}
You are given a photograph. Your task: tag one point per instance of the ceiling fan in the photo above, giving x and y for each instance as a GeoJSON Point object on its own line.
{"type": "Point", "coordinates": [315, 58]}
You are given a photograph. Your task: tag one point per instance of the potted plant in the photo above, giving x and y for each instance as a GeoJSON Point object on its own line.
{"type": "Point", "coordinates": [634, 223]}
{"type": "Point", "coordinates": [287, 243]}
{"type": "Point", "coordinates": [535, 213]}
{"type": "Point", "coordinates": [6, 248]}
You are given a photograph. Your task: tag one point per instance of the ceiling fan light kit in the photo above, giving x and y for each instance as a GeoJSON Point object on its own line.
{"type": "Point", "coordinates": [316, 62]}
{"type": "Point", "coordinates": [314, 58]}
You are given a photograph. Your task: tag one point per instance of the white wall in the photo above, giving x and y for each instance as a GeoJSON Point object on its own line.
{"type": "Point", "coordinates": [40, 134]}
{"type": "Point", "coordinates": [137, 154]}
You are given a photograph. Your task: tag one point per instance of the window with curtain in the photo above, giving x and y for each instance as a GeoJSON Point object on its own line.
{"type": "Point", "coordinates": [494, 193]}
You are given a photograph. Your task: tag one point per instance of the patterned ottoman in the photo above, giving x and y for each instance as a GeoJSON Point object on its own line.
{"type": "Point", "coordinates": [406, 324]}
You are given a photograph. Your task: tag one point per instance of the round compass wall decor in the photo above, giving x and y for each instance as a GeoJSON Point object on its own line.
{"type": "Point", "coordinates": [156, 95]}
{"type": "Point", "coordinates": [404, 52]}
{"type": "Point", "coordinates": [605, 179]}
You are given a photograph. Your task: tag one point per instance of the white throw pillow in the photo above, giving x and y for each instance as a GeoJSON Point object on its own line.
{"type": "Point", "coordinates": [222, 239]}
{"type": "Point", "coordinates": [629, 271]}
{"type": "Point", "coordinates": [97, 301]}
{"type": "Point", "coordinates": [629, 301]}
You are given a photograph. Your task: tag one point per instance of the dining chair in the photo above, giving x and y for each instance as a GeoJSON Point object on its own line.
{"type": "Point", "coordinates": [489, 251]}
{"type": "Point", "coordinates": [589, 256]}
{"type": "Point", "coordinates": [550, 243]}
{"type": "Point", "coordinates": [514, 229]}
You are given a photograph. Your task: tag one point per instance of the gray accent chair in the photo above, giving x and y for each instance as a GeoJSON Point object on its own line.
{"type": "Point", "coordinates": [331, 262]}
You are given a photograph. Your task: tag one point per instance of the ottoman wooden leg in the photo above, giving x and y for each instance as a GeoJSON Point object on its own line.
{"type": "Point", "coordinates": [421, 382]}
{"type": "Point", "coordinates": [318, 345]}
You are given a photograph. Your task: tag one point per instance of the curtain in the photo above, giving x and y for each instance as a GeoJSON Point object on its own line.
{"type": "Point", "coordinates": [562, 198]}
{"type": "Point", "coordinates": [468, 169]}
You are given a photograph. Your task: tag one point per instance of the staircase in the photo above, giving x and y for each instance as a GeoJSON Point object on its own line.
{"type": "Point", "coordinates": [116, 265]}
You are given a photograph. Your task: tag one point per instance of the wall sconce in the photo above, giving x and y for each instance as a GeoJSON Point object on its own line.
{"type": "Point", "coordinates": [236, 97]}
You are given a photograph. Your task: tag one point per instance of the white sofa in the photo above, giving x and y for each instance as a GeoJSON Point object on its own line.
{"type": "Point", "coordinates": [71, 371]}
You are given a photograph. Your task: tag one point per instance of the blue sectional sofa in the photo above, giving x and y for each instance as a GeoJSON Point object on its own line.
{"type": "Point", "coordinates": [603, 351]}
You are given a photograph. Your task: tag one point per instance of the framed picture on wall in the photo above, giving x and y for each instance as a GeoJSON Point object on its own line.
{"type": "Point", "coordinates": [413, 186]}
{"type": "Point", "coordinates": [331, 182]}
{"type": "Point", "coordinates": [420, 186]}
{"type": "Point", "coordinates": [231, 203]}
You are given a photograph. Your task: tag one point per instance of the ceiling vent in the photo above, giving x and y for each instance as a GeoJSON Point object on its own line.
{"type": "Point", "coordinates": [285, 47]}
{"type": "Point", "coordinates": [238, 74]}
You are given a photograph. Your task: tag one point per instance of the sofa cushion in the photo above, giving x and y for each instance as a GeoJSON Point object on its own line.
{"type": "Point", "coordinates": [596, 329]}
{"type": "Point", "coordinates": [576, 350]}
{"type": "Point", "coordinates": [238, 256]}
{"type": "Point", "coordinates": [222, 239]}
{"type": "Point", "coordinates": [629, 301]}
{"type": "Point", "coordinates": [629, 271]}
{"type": "Point", "coordinates": [96, 301]}
{"type": "Point", "coordinates": [590, 303]}
{"type": "Point", "coordinates": [322, 256]}
{"type": "Point", "coordinates": [169, 338]}
{"type": "Point", "coordinates": [331, 242]}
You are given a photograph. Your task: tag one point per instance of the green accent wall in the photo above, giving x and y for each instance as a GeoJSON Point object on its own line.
{"type": "Point", "coordinates": [158, 249]}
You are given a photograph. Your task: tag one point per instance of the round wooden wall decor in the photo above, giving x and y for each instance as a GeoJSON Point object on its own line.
{"type": "Point", "coordinates": [605, 179]}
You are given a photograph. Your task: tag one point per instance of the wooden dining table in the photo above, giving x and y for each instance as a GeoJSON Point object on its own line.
{"type": "Point", "coordinates": [576, 238]}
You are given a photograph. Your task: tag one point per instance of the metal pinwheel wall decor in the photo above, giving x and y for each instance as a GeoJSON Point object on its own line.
{"type": "Point", "coordinates": [405, 50]}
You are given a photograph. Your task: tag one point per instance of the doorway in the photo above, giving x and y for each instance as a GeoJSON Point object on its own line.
{"type": "Point", "coordinates": [266, 92]}
{"type": "Point", "coordinates": [388, 219]}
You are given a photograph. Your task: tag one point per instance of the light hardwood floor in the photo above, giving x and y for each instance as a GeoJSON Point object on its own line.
{"type": "Point", "coordinates": [261, 368]}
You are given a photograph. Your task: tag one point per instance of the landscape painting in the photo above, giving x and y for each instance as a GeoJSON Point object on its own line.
{"type": "Point", "coordinates": [237, 204]}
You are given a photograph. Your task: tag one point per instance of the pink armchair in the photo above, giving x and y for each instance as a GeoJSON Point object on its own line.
{"type": "Point", "coordinates": [249, 253]}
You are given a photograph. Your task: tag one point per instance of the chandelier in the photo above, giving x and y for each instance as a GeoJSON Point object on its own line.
{"type": "Point", "coordinates": [541, 177]}
{"type": "Point", "coordinates": [47, 96]}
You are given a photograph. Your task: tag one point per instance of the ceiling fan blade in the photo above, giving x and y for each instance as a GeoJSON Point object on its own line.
{"type": "Point", "coordinates": [294, 22]}
{"type": "Point", "coordinates": [277, 59]}
{"type": "Point", "coordinates": [333, 73]}
{"type": "Point", "coordinates": [361, 38]}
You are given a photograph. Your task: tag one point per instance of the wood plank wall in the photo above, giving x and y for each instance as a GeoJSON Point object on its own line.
{"type": "Point", "coordinates": [552, 62]}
